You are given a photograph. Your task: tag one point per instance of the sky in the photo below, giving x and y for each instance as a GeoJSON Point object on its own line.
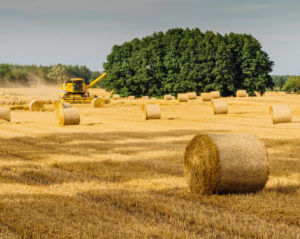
{"type": "Point", "coordinates": [82, 32]}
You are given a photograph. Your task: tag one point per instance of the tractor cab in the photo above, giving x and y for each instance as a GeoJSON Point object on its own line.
{"type": "Point", "coordinates": [75, 85]}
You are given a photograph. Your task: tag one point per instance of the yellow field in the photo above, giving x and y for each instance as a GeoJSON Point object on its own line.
{"type": "Point", "coordinates": [117, 176]}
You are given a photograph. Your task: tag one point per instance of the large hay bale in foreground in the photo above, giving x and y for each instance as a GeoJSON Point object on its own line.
{"type": "Point", "coordinates": [68, 116]}
{"type": "Point", "coordinates": [151, 111]}
{"type": "Point", "coordinates": [280, 114]}
{"type": "Point", "coordinates": [168, 97]}
{"type": "Point", "coordinates": [241, 93]}
{"type": "Point", "coordinates": [98, 103]}
{"type": "Point", "coordinates": [227, 163]}
{"type": "Point", "coordinates": [36, 105]}
{"type": "Point", "coordinates": [192, 95]}
{"type": "Point", "coordinates": [205, 96]}
{"type": "Point", "coordinates": [183, 97]}
{"type": "Point", "coordinates": [219, 106]}
{"type": "Point", "coordinates": [215, 94]}
{"type": "Point", "coordinates": [5, 114]}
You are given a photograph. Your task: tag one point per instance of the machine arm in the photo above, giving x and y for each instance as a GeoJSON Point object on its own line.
{"type": "Point", "coordinates": [98, 79]}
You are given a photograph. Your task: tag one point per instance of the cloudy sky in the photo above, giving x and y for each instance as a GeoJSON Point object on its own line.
{"type": "Point", "coordinates": [84, 31]}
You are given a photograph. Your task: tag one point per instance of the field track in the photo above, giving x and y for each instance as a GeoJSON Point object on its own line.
{"type": "Point", "coordinates": [118, 176]}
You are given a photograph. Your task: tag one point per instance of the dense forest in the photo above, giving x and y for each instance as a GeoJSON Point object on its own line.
{"type": "Point", "coordinates": [182, 60]}
{"type": "Point", "coordinates": [14, 75]}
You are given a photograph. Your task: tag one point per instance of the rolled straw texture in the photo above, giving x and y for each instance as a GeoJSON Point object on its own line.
{"type": "Point", "coordinates": [98, 103]}
{"type": "Point", "coordinates": [151, 111]}
{"type": "Point", "coordinates": [225, 163]}
{"type": "Point", "coordinates": [5, 114]}
{"type": "Point", "coordinates": [280, 114]}
{"type": "Point", "coordinates": [183, 97]}
{"type": "Point", "coordinates": [241, 93]}
{"type": "Point", "coordinates": [219, 106]}
{"type": "Point", "coordinates": [68, 116]}
{"type": "Point", "coordinates": [36, 105]}
{"type": "Point", "coordinates": [205, 96]}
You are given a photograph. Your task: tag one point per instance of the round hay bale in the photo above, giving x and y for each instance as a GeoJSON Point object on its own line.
{"type": "Point", "coordinates": [241, 93]}
{"type": "Point", "coordinates": [153, 98]}
{"type": "Point", "coordinates": [257, 94]}
{"type": "Point", "coordinates": [68, 116]}
{"type": "Point", "coordinates": [270, 93]}
{"type": "Point", "coordinates": [168, 97]}
{"type": "Point", "coordinates": [151, 111]}
{"type": "Point", "coordinates": [192, 95]}
{"type": "Point", "coordinates": [205, 96]}
{"type": "Point", "coordinates": [173, 97]}
{"type": "Point", "coordinates": [225, 163]}
{"type": "Point", "coordinates": [280, 114]}
{"type": "Point", "coordinates": [215, 94]}
{"type": "Point", "coordinates": [219, 106]}
{"type": "Point", "coordinates": [131, 97]}
{"type": "Point", "coordinates": [5, 114]}
{"type": "Point", "coordinates": [145, 97]}
{"type": "Point", "coordinates": [116, 97]}
{"type": "Point", "coordinates": [281, 93]}
{"type": "Point", "coordinates": [36, 105]}
{"type": "Point", "coordinates": [183, 97]}
{"type": "Point", "coordinates": [98, 103]}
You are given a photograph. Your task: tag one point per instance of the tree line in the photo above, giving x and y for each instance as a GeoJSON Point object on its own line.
{"type": "Point", "coordinates": [31, 74]}
{"type": "Point", "coordinates": [182, 60]}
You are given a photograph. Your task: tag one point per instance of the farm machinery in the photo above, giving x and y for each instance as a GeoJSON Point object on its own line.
{"type": "Point", "coordinates": [75, 90]}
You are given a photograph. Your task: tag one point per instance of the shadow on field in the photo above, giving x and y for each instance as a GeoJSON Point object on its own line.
{"type": "Point", "coordinates": [113, 213]}
{"type": "Point", "coordinates": [105, 157]}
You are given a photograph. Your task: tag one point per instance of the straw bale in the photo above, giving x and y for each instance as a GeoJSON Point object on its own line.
{"type": "Point", "coordinates": [280, 114]}
{"type": "Point", "coordinates": [36, 105]}
{"type": "Point", "coordinates": [215, 94]}
{"type": "Point", "coordinates": [257, 94]}
{"type": "Point", "coordinates": [168, 97]}
{"type": "Point", "coordinates": [281, 93]}
{"type": "Point", "coordinates": [241, 93]}
{"type": "Point", "coordinates": [98, 103]}
{"type": "Point", "coordinates": [270, 93]}
{"type": "Point", "coordinates": [131, 97]}
{"type": "Point", "coordinates": [225, 163]}
{"type": "Point", "coordinates": [219, 106]}
{"type": "Point", "coordinates": [205, 96]}
{"type": "Point", "coordinates": [68, 116]}
{"type": "Point", "coordinates": [145, 97]}
{"type": "Point", "coordinates": [192, 95]}
{"type": "Point", "coordinates": [183, 97]}
{"type": "Point", "coordinates": [116, 97]}
{"type": "Point", "coordinates": [5, 114]}
{"type": "Point", "coordinates": [151, 111]}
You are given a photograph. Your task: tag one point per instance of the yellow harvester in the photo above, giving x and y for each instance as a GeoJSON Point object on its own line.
{"type": "Point", "coordinates": [75, 90]}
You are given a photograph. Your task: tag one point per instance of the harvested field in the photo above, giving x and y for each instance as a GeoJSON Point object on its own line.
{"type": "Point", "coordinates": [118, 176]}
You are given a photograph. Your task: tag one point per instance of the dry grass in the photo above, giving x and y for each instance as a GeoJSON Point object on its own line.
{"type": "Point", "coordinates": [118, 176]}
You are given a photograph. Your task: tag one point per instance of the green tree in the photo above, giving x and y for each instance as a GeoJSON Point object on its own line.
{"type": "Point", "coordinates": [181, 60]}
{"type": "Point", "coordinates": [58, 73]}
{"type": "Point", "coordinates": [292, 85]}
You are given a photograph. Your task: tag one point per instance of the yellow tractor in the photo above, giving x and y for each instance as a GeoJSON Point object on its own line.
{"type": "Point", "coordinates": [75, 90]}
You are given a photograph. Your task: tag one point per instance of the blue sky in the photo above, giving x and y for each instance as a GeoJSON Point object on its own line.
{"type": "Point", "coordinates": [83, 32]}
